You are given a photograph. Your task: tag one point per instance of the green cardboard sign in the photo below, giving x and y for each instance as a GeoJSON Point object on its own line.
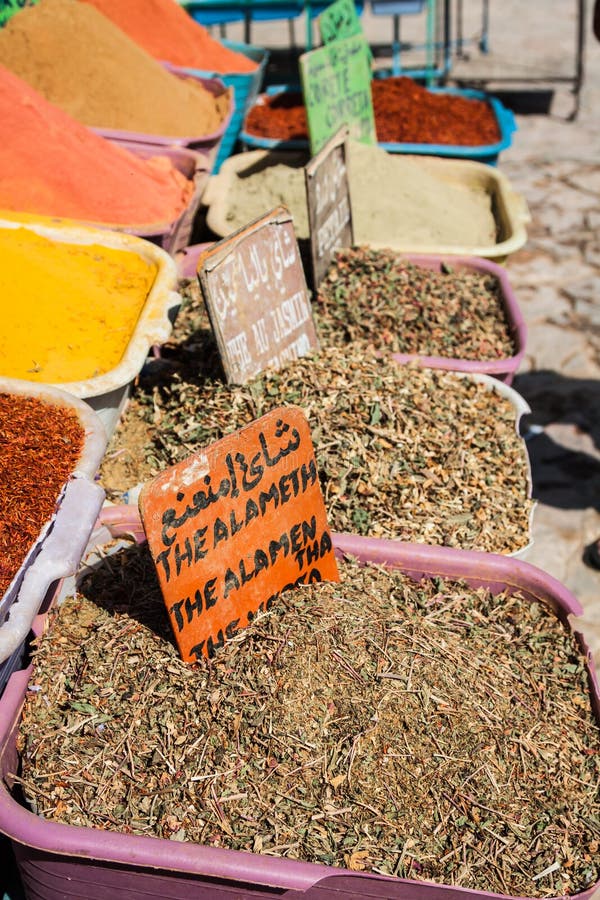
{"type": "Point", "coordinates": [9, 7]}
{"type": "Point", "coordinates": [339, 20]}
{"type": "Point", "coordinates": [336, 84]}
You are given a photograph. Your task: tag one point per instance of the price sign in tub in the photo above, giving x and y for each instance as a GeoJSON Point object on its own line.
{"type": "Point", "coordinates": [336, 85]}
{"type": "Point", "coordinates": [339, 20]}
{"type": "Point", "coordinates": [328, 199]}
{"type": "Point", "coordinates": [233, 526]}
{"type": "Point", "coordinates": [255, 292]}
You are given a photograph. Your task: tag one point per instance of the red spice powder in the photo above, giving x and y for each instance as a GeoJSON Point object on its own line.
{"type": "Point", "coordinates": [280, 117]}
{"type": "Point", "coordinates": [166, 31]}
{"type": "Point", "coordinates": [404, 111]}
{"type": "Point", "coordinates": [54, 166]}
{"type": "Point", "coordinates": [40, 444]}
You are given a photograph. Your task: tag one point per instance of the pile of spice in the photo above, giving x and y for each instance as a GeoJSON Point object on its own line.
{"type": "Point", "coordinates": [377, 297]}
{"type": "Point", "coordinates": [404, 112]}
{"type": "Point", "coordinates": [403, 452]}
{"type": "Point", "coordinates": [395, 199]}
{"type": "Point", "coordinates": [169, 34]}
{"type": "Point", "coordinates": [52, 165]}
{"type": "Point", "coordinates": [428, 731]}
{"type": "Point", "coordinates": [40, 445]}
{"type": "Point", "coordinates": [102, 78]}
{"type": "Point", "coordinates": [69, 310]}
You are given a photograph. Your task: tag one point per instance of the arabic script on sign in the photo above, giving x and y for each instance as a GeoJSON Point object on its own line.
{"type": "Point", "coordinates": [255, 292]}
{"type": "Point", "coordinates": [236, 524]}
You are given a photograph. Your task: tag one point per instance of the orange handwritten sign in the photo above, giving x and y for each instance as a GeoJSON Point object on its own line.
{"type": "Point", "coordinates": [234, 525]}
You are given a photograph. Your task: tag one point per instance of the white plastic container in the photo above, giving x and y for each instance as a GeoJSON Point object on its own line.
{"type": "Point", "coordinates": [107, 393]}
{"type": "Point", "coordinates": [521, 408]}
{"type": "Point", "coordinates": [62, 540]}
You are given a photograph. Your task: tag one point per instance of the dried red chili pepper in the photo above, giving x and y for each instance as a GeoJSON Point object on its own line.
{"type": "Point", "coordinates": [405, 112]}
{"type": "Point", "coordinates": [40, 444]}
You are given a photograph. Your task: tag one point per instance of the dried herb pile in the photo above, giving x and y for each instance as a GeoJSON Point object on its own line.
{"type": "Point", "coordinates": [40, 444]}
{"type": "Point", "coordinates": [408, 453]}
{"type": "Point", "coordinates": [431, 731]}
{"type": "Point", "coordinates": [375, 296]}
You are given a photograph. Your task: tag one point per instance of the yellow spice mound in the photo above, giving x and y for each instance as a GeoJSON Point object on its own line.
{"type": "Point", "coordinates": [68, 310]}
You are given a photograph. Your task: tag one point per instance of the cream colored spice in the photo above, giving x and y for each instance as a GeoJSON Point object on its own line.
{"type": "Point", "coordinates": [396, 199]}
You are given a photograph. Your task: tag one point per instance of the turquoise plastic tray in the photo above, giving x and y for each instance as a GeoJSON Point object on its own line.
{"type": "Point", "coordinates": [486, 153]}
{"type": "Point", "coordinates": [245, 86]}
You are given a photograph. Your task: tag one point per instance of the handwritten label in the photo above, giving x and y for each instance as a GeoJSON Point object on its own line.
{"type": "Point", "coordinates": [339, 20]}
{"type": "Point", "coordinates": [336, 85]}
{"type": "Point", "coordinates": [328, 199]}
{"type": "Point", "coordinates": [255, 292]}
{"type": "Point", "coordinates": [9, 7]}
{"type": "Point", "coordinates": [234, 526]}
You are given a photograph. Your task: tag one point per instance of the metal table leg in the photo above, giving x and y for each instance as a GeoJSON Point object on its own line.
{"type": "Point", "coordinates": [580, 51]}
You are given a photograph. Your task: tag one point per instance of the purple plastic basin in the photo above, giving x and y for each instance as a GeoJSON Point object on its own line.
{"type": "Point", "coordinates": [503, 369]}
{"type": "Point", "coordinates": [208, 143]}
{"type": "Point", "coordinates": [58, 861]}
{"type": "Point", "coordinates": [195, 166]}
{"type": "Point", "coordinates": [187, 261]}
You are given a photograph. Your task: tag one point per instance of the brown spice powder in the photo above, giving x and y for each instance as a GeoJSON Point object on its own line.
{"type": "Point", "coordinates": [76, 58]}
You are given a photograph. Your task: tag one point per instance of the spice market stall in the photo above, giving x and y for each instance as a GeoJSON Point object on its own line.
{"type": "Point", "coordinates": [413, 714]}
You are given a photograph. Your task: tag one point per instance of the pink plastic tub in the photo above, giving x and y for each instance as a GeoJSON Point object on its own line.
{"type": "Point", "coordinates": [187, 261]}
{"type": "Point", "coordinates": [195, 166]}
{"type": "Point", "coordinates": [207, 143]}
{"type": "Point", "coordinates": [58, 861]}
{"type": "Point", "coordinates": [504, 369]}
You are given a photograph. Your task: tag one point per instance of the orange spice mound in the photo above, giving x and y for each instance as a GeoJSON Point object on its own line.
{"type": "Point", "coordinates": [168, 32]}
{"type": "Point", "coordinates": [52, 165]}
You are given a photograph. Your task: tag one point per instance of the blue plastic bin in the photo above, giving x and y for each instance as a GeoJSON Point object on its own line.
{"type": "Point", "coordinates": [485, 153]}
{"type": "Point", "coordinates": [211, 12]}
{"type": "Point", "coordinates": [396, 7]}
{"type": "Point", "coordinates": [245, 86]}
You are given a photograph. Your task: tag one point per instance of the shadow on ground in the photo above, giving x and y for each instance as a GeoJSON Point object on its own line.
{"type": "Point", "coordinates": [565, 456]}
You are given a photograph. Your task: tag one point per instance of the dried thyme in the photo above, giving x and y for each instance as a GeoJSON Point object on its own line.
{"type": "Point", "coordinates": [375, 296]}
{"type": "Point", "coordinates": [431, 731]}
{"type": "Point", "coordinates": [415, 454]}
